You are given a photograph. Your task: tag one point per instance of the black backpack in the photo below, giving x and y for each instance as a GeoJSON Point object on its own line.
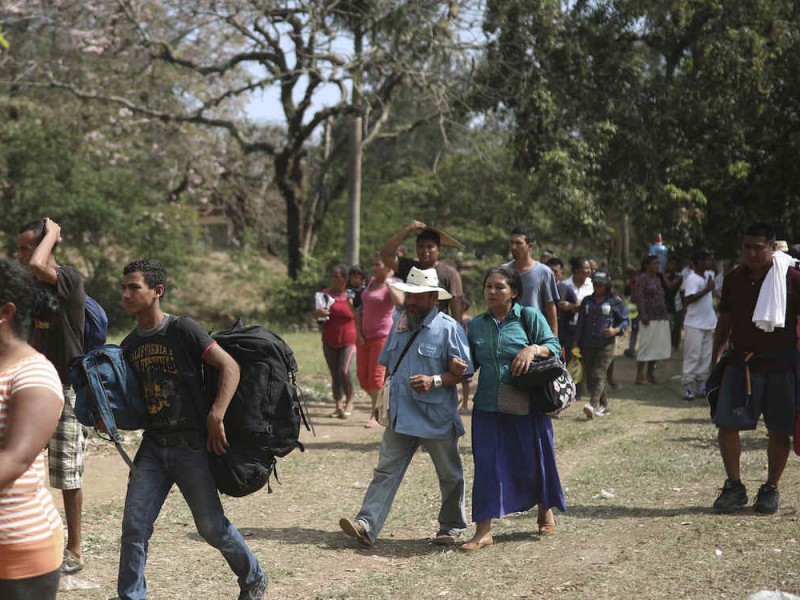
{"type": "Point", "coordinates": [263, 420]}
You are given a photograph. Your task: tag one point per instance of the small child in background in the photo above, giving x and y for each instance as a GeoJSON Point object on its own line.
{"type": "Point", "coordinates": [356, 281]}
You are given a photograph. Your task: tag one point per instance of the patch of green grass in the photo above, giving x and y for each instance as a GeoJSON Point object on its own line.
{"type": "Point", "coordinates": [307, 347]}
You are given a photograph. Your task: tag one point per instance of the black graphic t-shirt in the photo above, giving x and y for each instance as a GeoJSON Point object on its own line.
{"type": "Point", "coordinates": [168, 360]}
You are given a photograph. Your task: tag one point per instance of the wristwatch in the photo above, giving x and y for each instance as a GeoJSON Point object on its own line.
{"type": "Point", "coordinates": [437, 381]}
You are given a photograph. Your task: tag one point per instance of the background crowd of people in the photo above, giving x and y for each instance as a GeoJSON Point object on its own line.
{"type": "Point", "coordinates": [534, 309]}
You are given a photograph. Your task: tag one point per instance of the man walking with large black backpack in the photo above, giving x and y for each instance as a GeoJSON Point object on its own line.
{"type": "Point", "coordinates": [167, 353]}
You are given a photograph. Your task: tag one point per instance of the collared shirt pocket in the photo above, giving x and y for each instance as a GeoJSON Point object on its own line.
{"type": "Point", "coordinates": [430, 355]}
{"type": "Point", "coordinates": [438, 414]}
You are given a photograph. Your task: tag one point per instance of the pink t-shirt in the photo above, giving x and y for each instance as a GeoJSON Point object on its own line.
{"type": "Point", "coordinates": [377, 308]}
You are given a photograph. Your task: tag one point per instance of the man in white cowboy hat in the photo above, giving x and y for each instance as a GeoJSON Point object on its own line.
{"type": "Point", "coordinates": [426, 355]}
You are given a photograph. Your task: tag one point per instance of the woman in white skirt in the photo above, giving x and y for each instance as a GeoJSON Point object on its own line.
{"type": "Point", "coordinates": [654, 332]}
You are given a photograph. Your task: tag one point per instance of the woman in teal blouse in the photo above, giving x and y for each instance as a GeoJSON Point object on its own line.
{"type": "Point", "coordinates": [514, 455]}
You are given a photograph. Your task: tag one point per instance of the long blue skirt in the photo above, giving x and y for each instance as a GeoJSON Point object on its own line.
{"type": "Point", "coordinates": [515, 464]}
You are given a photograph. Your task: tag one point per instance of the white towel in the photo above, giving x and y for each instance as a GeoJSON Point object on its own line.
{"type": "Point", "coordinates": [770, 309]}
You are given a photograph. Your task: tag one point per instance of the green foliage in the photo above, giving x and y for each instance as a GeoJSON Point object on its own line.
{"type": "Point", "coordinates": [107, 214]}
{"type": "Point", "coordinates": [291, 301]}
{"type": "Point", "coordinates": [680, 115]}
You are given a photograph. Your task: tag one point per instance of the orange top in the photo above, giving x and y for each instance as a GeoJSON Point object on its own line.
{"type": "Point", "coordinates": [31, 537]}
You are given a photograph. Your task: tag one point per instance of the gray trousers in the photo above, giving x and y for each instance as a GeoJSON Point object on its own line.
{"type": "Point", "coordinates": [395, 455]}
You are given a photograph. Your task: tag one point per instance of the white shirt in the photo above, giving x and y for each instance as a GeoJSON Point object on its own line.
{"type": "Point", "coordinates": [700, 313]}
{"type": "Point", "coordinates": [587, 289]}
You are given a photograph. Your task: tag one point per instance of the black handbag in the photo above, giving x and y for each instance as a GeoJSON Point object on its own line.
{"type": "Point", "coordinates": [555, 396]}
{"type": "Point", "coordinates": [540, 372]}
{"type": "Point", "coordinates": [549, 384]}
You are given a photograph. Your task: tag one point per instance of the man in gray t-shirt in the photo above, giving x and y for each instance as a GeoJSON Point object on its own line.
{"type": "Point", "coordinates": [538, 282]}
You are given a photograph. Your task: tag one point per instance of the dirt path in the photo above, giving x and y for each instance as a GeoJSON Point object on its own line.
{"type": "Point", "coordinates": [638, 484]}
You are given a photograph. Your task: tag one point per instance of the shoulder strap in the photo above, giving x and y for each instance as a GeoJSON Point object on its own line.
{"type": "Point", "coordinates": [527, 324]}
{"type": "Point", "coordinates": [403, 353]}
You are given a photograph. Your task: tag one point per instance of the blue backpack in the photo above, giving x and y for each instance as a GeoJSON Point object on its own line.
{"type": "Point", "coordinates": [108, 393]}
{"type": "Point", "coordinates": [96, 325]}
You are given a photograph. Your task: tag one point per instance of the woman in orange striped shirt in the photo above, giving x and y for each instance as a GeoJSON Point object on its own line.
{"type": "Point", "coordinates": [31, 400]}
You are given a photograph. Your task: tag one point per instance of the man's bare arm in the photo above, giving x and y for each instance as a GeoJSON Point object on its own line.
{"type": "Point", "coordinates": [456, 308]}
{"type": "Point", "coordinates": [721, 335]}
{"type": "Point", "coordinates": [551, 315]}
{"type": "Point", "coordinates": [39, 264]}
{"type": "Point", "coordinates": [388, 253]}
{"type": "Point", "coordinates": [228, 382]}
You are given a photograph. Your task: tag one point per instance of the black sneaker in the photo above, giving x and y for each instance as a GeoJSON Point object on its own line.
{"type": "Point", "coordinates": [732, 496]}
{"type": "Point", "coordinates": [767, 499]}
{"type": "Point", "coordinates": [257, 592]}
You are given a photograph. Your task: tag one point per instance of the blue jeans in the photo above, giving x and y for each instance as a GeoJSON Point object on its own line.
{"type": "Point", "coordinates": [158, 468]}
{"type": "Point", "coordinates": [395, 455]}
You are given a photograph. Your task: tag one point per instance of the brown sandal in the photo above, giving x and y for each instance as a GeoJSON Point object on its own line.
{"type": "Point", "coordinates": [546, 527]}
{"type": "Point", "coordinates": [472, 545]}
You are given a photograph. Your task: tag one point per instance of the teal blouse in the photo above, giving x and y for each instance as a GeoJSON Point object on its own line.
{"type": "Point", "coordinates": [493, 348]}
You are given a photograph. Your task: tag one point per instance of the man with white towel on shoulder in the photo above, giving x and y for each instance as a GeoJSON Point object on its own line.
{"type": "Point", "coordinates": [759, 308]}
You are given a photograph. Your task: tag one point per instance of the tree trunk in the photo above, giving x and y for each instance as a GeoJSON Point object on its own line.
{"type": "Point", "coordinates": [353, 222]}
{"type": "Point", "coordinates": [289, 179]}
{"type": "Point", "coordinates": [294, 224]}
{"type": "Point", "coordinates": [626, 242]}
{"type": "Point", "coordinates": [353, 238]}
{"type": "Point", "coordinates": [322, 195]}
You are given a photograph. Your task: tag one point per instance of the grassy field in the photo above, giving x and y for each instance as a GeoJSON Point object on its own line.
{"type": "Point", "coordinates": [639, 486]}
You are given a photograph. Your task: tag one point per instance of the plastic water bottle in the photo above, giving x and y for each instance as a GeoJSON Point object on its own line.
{"type": "Point", "coordinates": [660, 250]}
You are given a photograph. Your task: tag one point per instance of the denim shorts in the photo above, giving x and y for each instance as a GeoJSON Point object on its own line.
{"type": "Point", "coordinates": [773, 394]}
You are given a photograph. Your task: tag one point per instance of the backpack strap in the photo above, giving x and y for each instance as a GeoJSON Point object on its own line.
{"type": "Point", "coordinates": [104, 406]}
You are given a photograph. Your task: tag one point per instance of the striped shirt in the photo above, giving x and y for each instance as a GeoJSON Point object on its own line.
{"type": "Point", "coordinates": [28, 517]}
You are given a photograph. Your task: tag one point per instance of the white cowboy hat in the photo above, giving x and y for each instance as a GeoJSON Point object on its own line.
{"type": "Point", "coordinates": [421, 281]}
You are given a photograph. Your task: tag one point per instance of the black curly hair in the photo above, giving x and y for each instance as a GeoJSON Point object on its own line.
{"type": "Point", "coordinates": [32, 300]}
{"type": "Point", "coordinates": [152, 271]}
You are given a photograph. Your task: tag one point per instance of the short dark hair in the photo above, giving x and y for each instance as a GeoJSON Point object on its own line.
{"type": "Point", "coordinates": [794, 251]}
{"type": "Point", "coordinates": [555, 261]}
{"type": "Point", "coordinates": [648, 258]}
{"type": "Point", "coordinates": [759, 229]}
{"type": "Point", "coordinates": [37, 227]}
{"type": "Point", "coordinates": [340, 270]}
{"type": "Point", "coordinates": [512, 278]}
{"type": "Point", "coordinates": [525, 232]}
{"type": "Point", "coordinates": [430, 234]}
{"type": "Point", "coordinates": [357, 270]}
{"type": "Point", "coordinates": [153, 272]}
{"type": "Point", "coordinates": [576, 262]}
{"type": "Point", "coordinates": [700, 254]}
{"type": "Point", "coordinates": [32, 300]}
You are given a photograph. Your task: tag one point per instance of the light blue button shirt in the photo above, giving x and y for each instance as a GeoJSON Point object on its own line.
{"type": "Point", "coordinates": [431, 415]}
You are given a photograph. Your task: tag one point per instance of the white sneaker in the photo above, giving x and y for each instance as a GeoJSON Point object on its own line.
{"type": "Point", "coordinates": [588, 411]}
{"type": "Point", "coordinates": [600, 411]}
{"type": "Point", "coordinates": [688, 393]}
